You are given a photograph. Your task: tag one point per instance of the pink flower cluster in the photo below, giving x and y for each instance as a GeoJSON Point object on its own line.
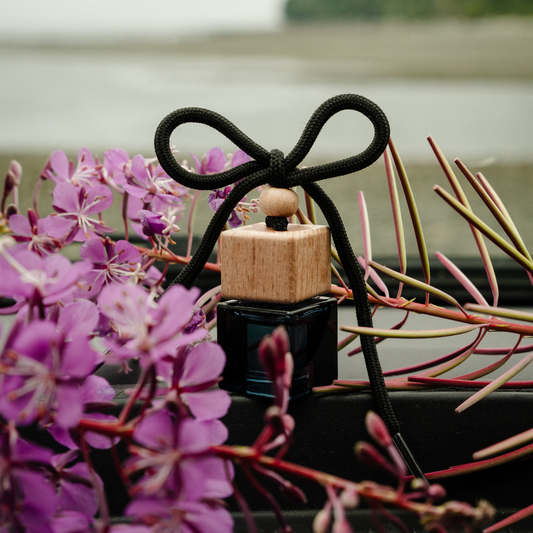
{"type": "Point", "coordinates": [49, 359]}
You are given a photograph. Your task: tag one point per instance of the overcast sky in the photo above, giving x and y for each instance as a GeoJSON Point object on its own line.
{"type": "Point", "coordinates": [127, 18]}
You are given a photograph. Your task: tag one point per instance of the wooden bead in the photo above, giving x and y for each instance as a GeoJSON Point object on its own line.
{"type": "Point", "coordinates": [278, 202]}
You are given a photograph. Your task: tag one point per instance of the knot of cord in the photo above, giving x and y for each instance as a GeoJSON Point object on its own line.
{"type": "Point", "coordinates": [277, 169]}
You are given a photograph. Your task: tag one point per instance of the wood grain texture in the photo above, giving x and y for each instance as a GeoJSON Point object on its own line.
{"type": "Point", "coordinates": [263, 265]}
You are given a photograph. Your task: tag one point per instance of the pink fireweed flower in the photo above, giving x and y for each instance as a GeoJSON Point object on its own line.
{"type": "Point", "coordinates": [157, 209]}
{"type": "Point", "coordinates": [195, 371]}
{"type": "Point", "coordinates": [96, 395]}
{"type": "Point", "coordinates": [28, 499]}
{"type": "Point", "coordinates": [74, 484]}
{"type": "Point", "coordinates": [175, 456]}
{"type": "Point", "coordinates": [213, 162]}
{"type": "Point", "coordinates": [31, 279]}
{"type": "Point", "coordinates": [72, 221]}
{"type": "Point", "coordinates": [279, 365]}
{"type": "Point", "coordinates": [157, 223]}
{"type": "Point", "coordinates": [112, 170]}
{"type": "Point", "coordinates": [166, 515]}
{"type": "Point", "coordinates": [379, 432]}
{"type": "Point", "coordinates": [118, 262]}
{"type": "Point", "coordinates": [144, 180]}
{"type": "Point", "coordinates": [42, 375]}
{"type": "Point", "coordinates": [60, 170]}
{"type": "Point", "coordinates": [30, 234]}
{"type": "Point", "coordinates": [11, 184]}
{"type": "Point", "coordinates": [148, 329]}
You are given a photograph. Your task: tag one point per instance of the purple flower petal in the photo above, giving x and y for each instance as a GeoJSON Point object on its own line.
{"type": "Point", "coordinates": [65, 198]}
{"type": "Point", "coordinates": [40, 501]}
{"type": "Point", "coordinates": [208, 405]}
{"type": "Point", "coordinates": [206, 477]}
{"type": "Point", "coordinates": [78, 358]}
{"type": "Point", "coordinates": [93, 251]}
{"type": "Point", "coordinates": [239, 157]}
{"type": "Point", "coordinates": [151, 222]}
{"type": "Point", "coordinates": [69, 408]}
{"type": "Point", "coordinates": [60, 165]}
{"type": "Point", "coordinates": [204, 362]}
{"type": "Point", "coordinates": [127, 253]}
{"type": "Point", "coordinates": [234, 220]}
{"type": "Point", "coordinates": [174, 311]}
{"type": "Point", "coordinates": [156, 431]}
{"type": "Point", "coordinates": [204, 518]}
{"type": "Point", "coordinates": [197, 436]}
{"type": "Point", "coordinates": [20, 225]}
{"type": "Point", "coordinates": [77, 496]}
{"type": "Point", "coordinates": [99, 198]}
{"type": "Point", "coordinates": [197, 163]}
{"type": "Point", "coordinates": [79, 318]}
{"type": "Point", "coordinates": [97, 389]}
{"type": "Point", "coordinates": [28, 451]}
{"type": "Point", "coordinates": [58, 227]}
{"type": "Point", "coordinates": [71, 522]}
{"type": "Point", "coordinates": [96, 440]}
{"type": "Point", "coordinates": [215, 161]}
{"type": "Point", "coordinates": [35, 340]}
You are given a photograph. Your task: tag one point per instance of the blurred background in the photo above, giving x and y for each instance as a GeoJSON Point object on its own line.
{"type": "Point", "coordinates": [102, 74]}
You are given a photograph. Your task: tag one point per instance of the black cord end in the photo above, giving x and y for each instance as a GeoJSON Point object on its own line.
{"type": "Point", "coordinates": [277, 223]}
{"type": "Point", "coordinates": [408, 457]}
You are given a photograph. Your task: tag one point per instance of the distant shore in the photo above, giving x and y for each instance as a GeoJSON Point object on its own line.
{"type": "Point", "coordinates": [487, 48]}
{"type": "Point", "coordinates": [495, 49]}
{"type": "Point", "coordinates": [444, 230]}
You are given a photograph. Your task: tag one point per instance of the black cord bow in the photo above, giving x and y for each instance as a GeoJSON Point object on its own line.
{"type": "Point", "coordinates": [279, 171]}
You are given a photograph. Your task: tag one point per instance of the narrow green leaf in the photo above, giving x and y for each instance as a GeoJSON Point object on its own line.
{"type": "Point", "coordinates": [485, 391]}
{"type": "Point", "coordinates": [461, 196]}
{"type": "Point", "coordinates": [499, 447]}
{"type": "Point", "coordinates": [413, 211]}
{"type": "Point", "coordinates": [513, 314]}
{"type": "Point", "coordinates": [486, 230]}
{"type": "Point", "coordinates": [310, 207]}
{"type": "Point", "coordinates": [428, 289]}
{"type": "Point", "coordinates": [510, 520]}
{"type": "Point", "coordinates": [410, 334]}
{"type": "Point", "coordinates": [504, 222]}
{"type": "Point", "coordinates": [396, 213]}
{"type": "Point", "coordinates": [461, 278]}
{"type": "Point", "coordinates": [365, 230]}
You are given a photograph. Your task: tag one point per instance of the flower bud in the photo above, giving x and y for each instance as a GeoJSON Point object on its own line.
{"type": "Point", "coordinates": [369, 455]}
{"type": "Point", "coordinates": [11, 209]}
{"type": "Point", "coordinates": [377, 429]}
{"type": "Point", "coordinates": [272, 351]}
{"type": "Point", "coordinates": [349, 497]}
{"type": "Point", "coordinates": [321, 521]}
{"type": "Point", "coordinates": [435, 492]}
{"type": "Point", "coordinates": [293, 493]}
{"type": "Point", "coordinates": [341, 526]}
{"type": "Point", "coordinates": [484, 513]}
{"type": "Point", "coordinates": [151, 222]}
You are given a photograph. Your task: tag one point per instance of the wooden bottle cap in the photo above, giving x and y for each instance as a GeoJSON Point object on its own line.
{"type": "Point", "coordinates": [276, 202]}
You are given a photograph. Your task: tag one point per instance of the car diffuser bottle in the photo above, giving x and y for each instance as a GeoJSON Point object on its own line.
{"type": "Point", "coordinates": [274, 273]}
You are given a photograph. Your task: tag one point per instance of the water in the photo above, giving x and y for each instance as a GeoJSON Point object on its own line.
{"type": "Point", "coordinates": [65, 20]}
{"type": "Point", "coordinates": [102, 99]}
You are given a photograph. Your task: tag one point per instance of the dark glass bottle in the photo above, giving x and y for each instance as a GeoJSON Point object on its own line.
{"type": "Point", "coordinates": [312, 329]}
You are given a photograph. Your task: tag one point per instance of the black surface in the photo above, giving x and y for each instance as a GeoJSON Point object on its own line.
{"type": "Point", "coordinates": [327, 427]}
